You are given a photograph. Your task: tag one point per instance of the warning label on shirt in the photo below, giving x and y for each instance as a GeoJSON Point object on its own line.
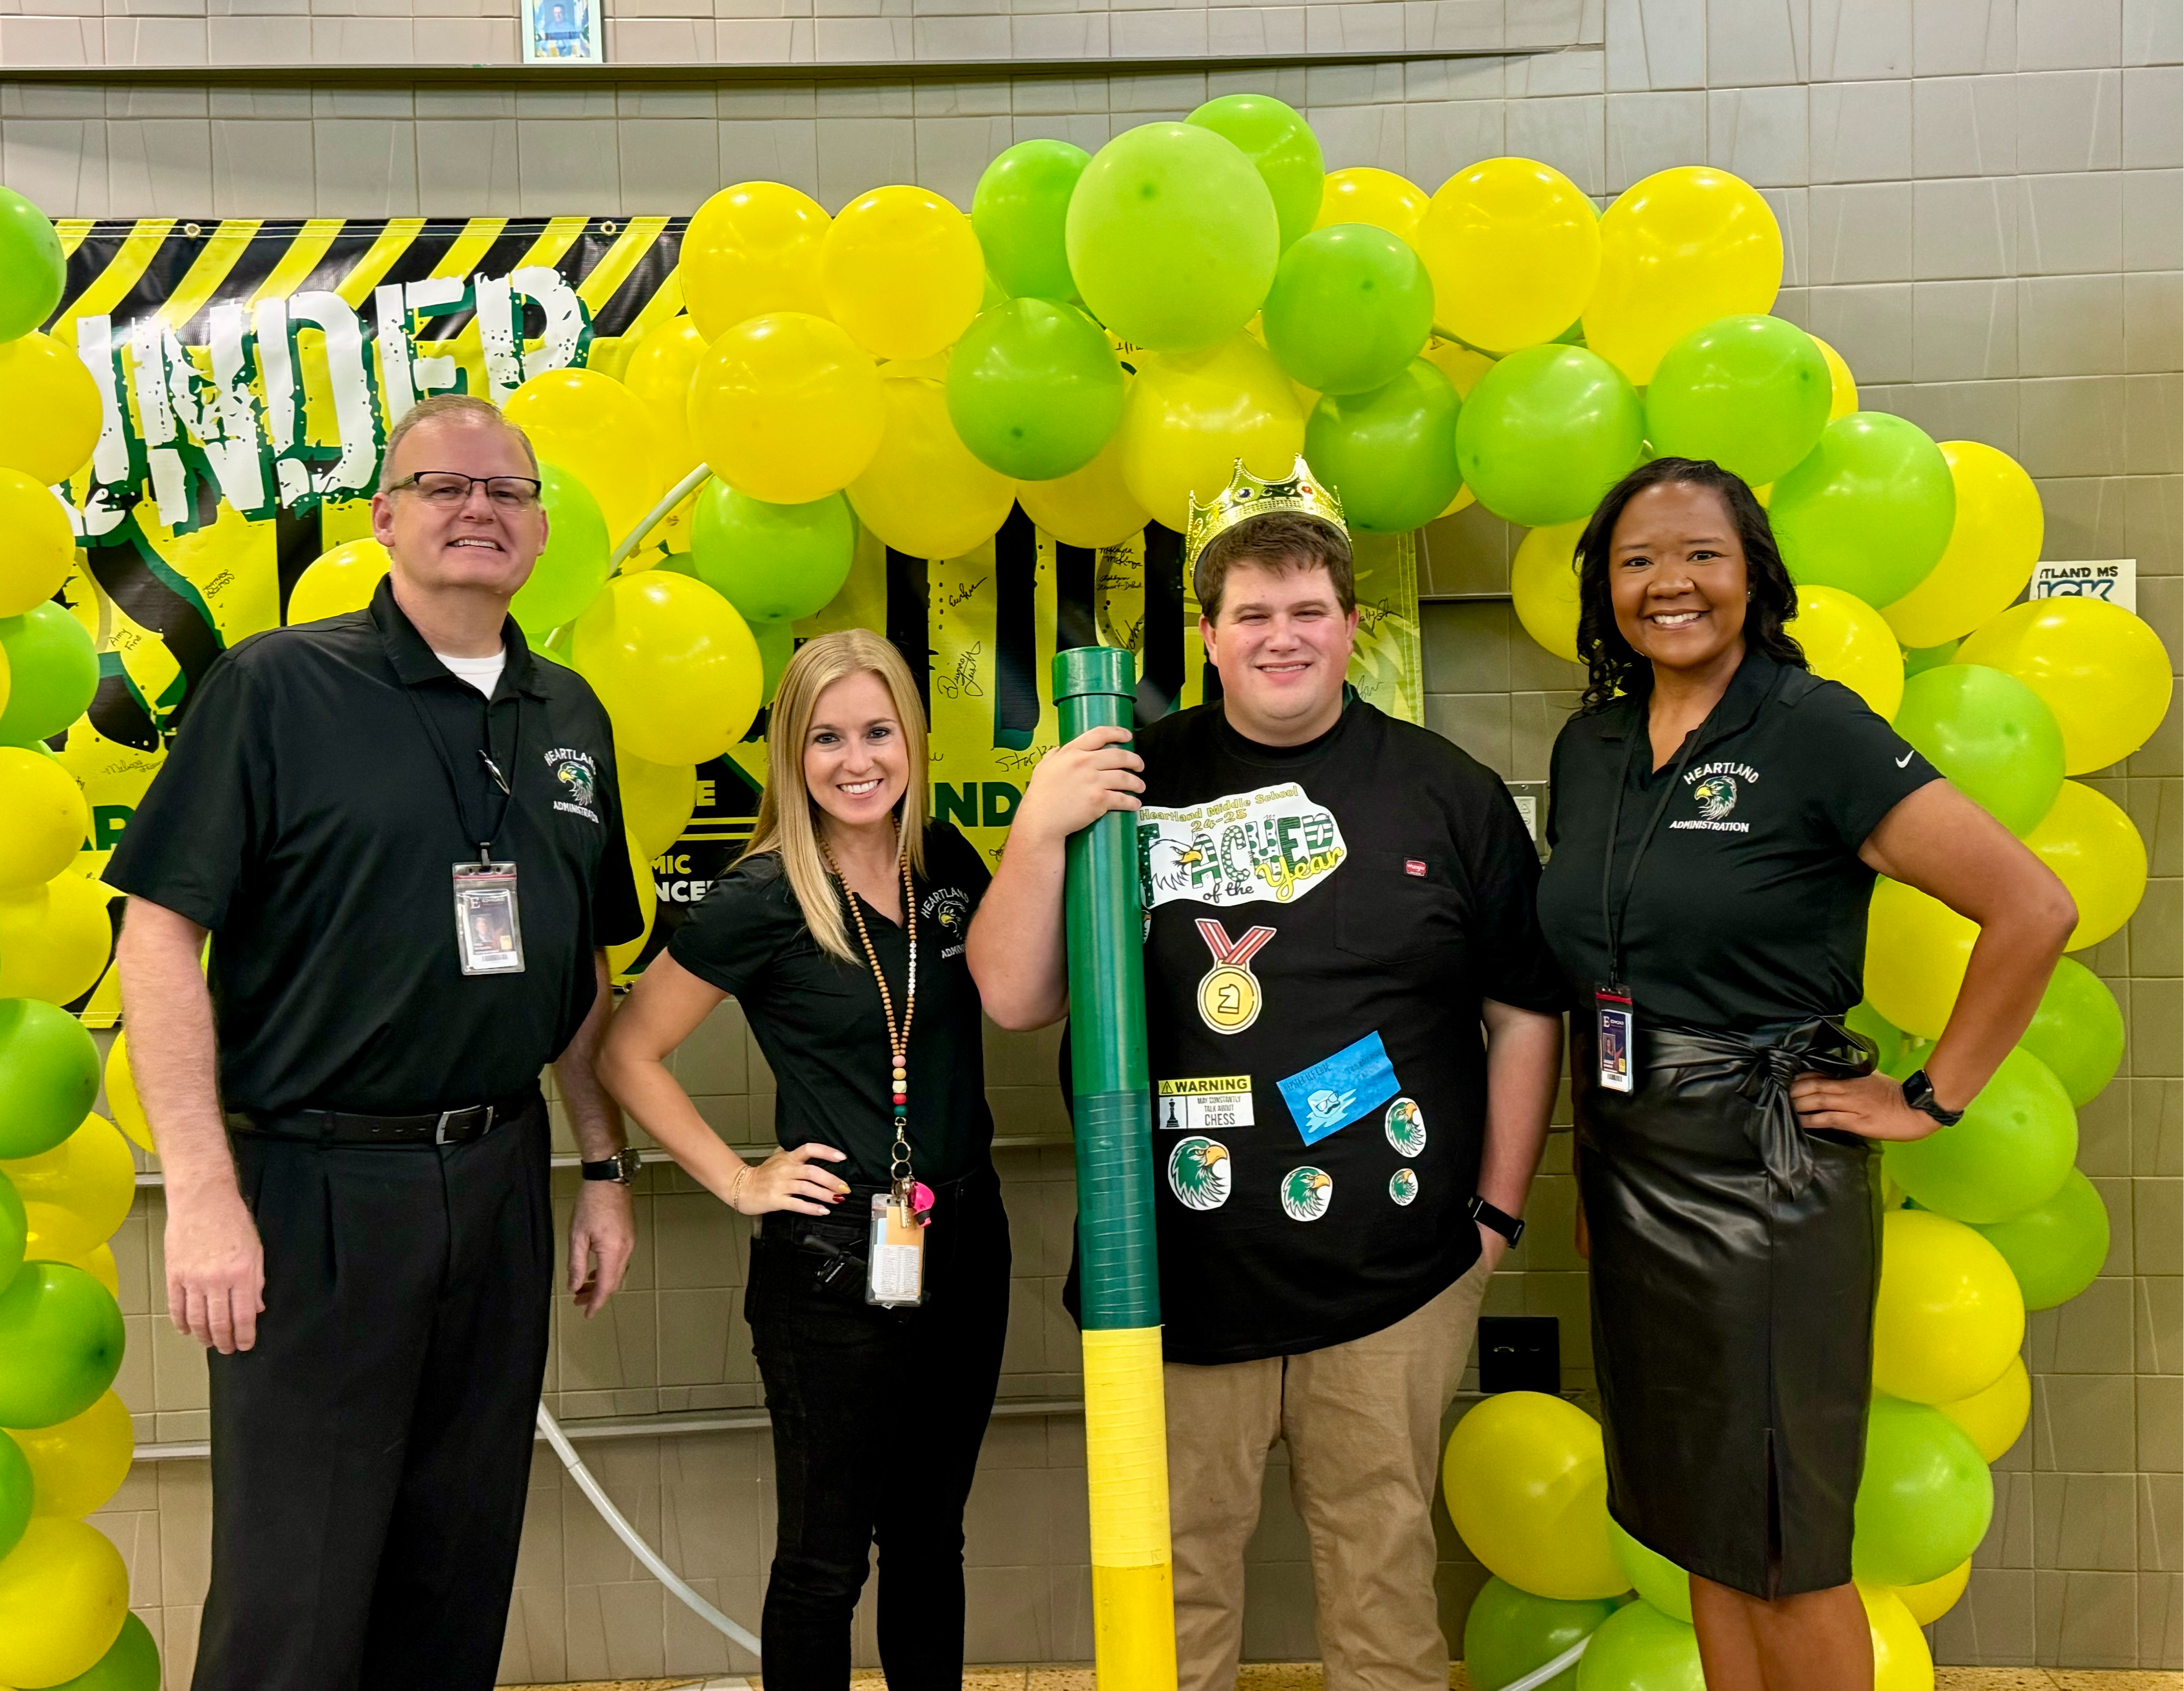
{"type": "Point", "coordinates": [1205, 1104]}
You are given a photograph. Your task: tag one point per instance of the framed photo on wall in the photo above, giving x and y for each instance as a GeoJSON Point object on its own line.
{"type": "Point", "coordinates": [563, 32]}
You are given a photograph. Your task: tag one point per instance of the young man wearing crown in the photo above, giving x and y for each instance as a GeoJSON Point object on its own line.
{"type": "Point", "coordinates": [1354, 1036]}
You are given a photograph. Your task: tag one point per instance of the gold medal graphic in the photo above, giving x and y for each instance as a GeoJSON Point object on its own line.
{"type": "Point", "coordinates": [1228, 996]}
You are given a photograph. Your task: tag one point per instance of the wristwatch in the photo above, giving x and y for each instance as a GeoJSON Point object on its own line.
{"type": "Point", "coordinates": [1919, 1093]}
{"type": "Point", "coordinates": [1510, 1227]}
{"type": "Point", "coordinates": [621, 1167]}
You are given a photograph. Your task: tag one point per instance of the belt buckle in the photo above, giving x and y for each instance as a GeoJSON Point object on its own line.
{"type": "Point", "coordinates": [440, 1127]}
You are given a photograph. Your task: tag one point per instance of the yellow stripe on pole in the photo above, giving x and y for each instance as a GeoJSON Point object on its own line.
{"type": "Point", "coordinates": [1126, 1447]}
{"type": "Point", "coordinates": [1133, 1628]}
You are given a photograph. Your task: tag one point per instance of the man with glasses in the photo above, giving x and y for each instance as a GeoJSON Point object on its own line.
{"type": "Point", "coordinates": [402, 833]}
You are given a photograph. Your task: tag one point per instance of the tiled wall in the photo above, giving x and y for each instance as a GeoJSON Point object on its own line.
{"type": "Point", "coordinates": [1983, 203]}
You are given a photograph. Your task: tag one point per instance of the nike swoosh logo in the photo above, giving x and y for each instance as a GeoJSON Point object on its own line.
{"type": "Point", "coordinates": [1905, 761]}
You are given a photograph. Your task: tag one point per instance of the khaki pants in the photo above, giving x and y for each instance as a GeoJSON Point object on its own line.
{"type": "Point", "coordinates": [1362, 1422]}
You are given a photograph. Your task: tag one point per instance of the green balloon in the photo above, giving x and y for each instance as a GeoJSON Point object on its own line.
{"type": "Point", "coordinates": [1173, 237]}
{"type": "Point", "coordinates": [773, 562]}
{"type": "Point", "coordinates": [1640, 1648]}
{"type": "Point", "coordinates": [2055, 1249]}
{"type": "Point", "coordinates": [1351, 307]}
{"type": "Point", "coordinates": [573, 568]}
{"type": "Point", "coordinates": [1017, 212]}
{"type": "Point", "coordinates": [1659, 1580]}
{"type": "Point", "coordinates": [132, 1663]}
{"type": "Point", "coordinates": [1281, 145]}
{"type": "Point", "coordinates": [1887, 1038]}
{"type": "Point", "coordinates": [1991, 735]}
{"type": "Point", "coordinates": [1926, 1497]}
{"type": "Point", "coordinates": [48, 1077]}
{"type": "Point", "coordinates": [1033, 389]}
{"type": "Point", "coordinates": [1869, 511]}
{"type": "Point", "coordinates": [1920, 659]}
{"type": "Point", "coordinates": [18, 1493]}
{"type": "Point", "coordinates": [31, 268]}
{"type": "Point", "coordinates": [1546, 433]}
{"type": "Point", "coordinates": [1509, 1633]}
{"type": "Point", "coordinates": [777, 645]}
{"type": "Point", "coordinates": [1390, 453]}
{"type": "Point", "coordinates": [60, 1344]}
{"type": "Point", "coordinates": [1750, 393]}
{"type": "Point", "coordinates": [53, 669]}
{"type": "Point", "coordinates": [14, 1235]}
{"type": "Point", "coordinates": [2011, 1150]}
{"type": "Point", "coordinates": [2077, 1031]}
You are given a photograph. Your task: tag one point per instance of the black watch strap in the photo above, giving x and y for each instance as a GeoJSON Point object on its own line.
{"type": "Point", "coordinates": [1509, 1226]}
{"type": "Point", "coordinates": [1919, 1093]}
{"type": "Point", "coordinates": [621, 1167]}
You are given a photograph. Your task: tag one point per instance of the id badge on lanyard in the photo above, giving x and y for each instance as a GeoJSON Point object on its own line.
{"type": "Point", "coordinates": [895, 1273]}
{"type": "Point", "coordinates": [1615, 1031]}
{"type": "Point", "coordinates": [488, 920]}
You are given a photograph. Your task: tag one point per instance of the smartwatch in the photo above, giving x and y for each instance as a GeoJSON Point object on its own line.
{"type": "Point", "coordinates": [621, 1167]}
{"type": "Point", "coordinates": [1510, 1227]}
{"type": "Point", "coordinates": [1919, 1093]}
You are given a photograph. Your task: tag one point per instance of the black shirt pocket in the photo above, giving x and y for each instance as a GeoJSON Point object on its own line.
{"type": "Point", "coordinates": [1390, 908]}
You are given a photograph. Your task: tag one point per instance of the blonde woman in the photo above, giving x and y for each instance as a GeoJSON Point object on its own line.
{"type": "Point", "coordinates": [879, 1276]}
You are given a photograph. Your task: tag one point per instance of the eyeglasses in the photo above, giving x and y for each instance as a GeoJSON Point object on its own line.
{"type": "Point", "coordinates": [450, 489]}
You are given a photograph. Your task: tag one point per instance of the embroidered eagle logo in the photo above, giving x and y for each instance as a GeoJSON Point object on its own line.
{"type": "Point", "coordinates": [577, 778]}
{"type": "Point", "coordinates": [1716, 796]}
{"type": "Point", "coordinates": [1306, 1193]}
{"type": "Point", "coordinates": [1198, 1173]}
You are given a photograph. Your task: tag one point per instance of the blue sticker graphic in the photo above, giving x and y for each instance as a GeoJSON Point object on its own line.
{"type": "Point", "coordinates": [1328, 1096]}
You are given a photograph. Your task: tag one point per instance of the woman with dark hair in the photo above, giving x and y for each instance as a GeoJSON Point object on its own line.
{"type": "Point", "coordinates": [1718, 815]}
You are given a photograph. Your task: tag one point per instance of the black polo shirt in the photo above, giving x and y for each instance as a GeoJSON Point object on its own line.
{"type": "Point", "coordinates": [820, 1022]}
{"type": "Point", "coordinates": [304, 816]}
{"type": "Point", "coordinates": [1749, 907]}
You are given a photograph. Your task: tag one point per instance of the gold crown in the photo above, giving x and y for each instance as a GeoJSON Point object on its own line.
{"type": "Point", "coordinates": [1246, 497]}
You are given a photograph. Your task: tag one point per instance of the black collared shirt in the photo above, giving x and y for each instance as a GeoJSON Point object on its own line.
{"type": "Point", "coordinates": [1749, 906]}
{"type": "Point", "coordinates": [304, 816]}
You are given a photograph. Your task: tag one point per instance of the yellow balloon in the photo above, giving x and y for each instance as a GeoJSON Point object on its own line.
{"type": "Point", "coordinates": [1929, 1601]}
{"type": "Point", "coordinates": [97, 1262]}
{"type": "Point", "coordinates": [1513, 248]}
{"type": "Point", "coordinates": [1842, 386]}
{"type": "Point", "coordinates": [2097, 851]}
{"type": "Point", "coordinates": [923, 492]}
{"type": "Point", "coordinates": [1543, 585]}
{"type": "Point", "coordinates": [63, 1595]}
{"type": "Point", "coordinates": [1191, 416]}
{"type": "Point", "coordinates": [1362, 194]}
{"type": "Point", "coordinates": [621, 957]}
{"type": "Point", "coordinates": [1949, 1317]}
{"type": "Point", "coordinates": [88, 1180]}
{"type": "Point", "coordinates": [674, 664]}
{"type": "Point", "coordinates": [37, 545]}
{"type": "Point", "coordinates": [590, 426]}
{"type": "Point", "coordinates": [659, 373]}
{"type": "Point", "coordinates": [1678, 250]}
{"type": "Point", "coordinates": [656, 802]}
{"type": "Point", "coordinates": [338, 582]}
{"type": "Point", "coordinates": [43, 819]}
{"type": "Point", "coordinates": [751, 249]}
{"type": "Point", "coordinates": [1525, 1479]}
{"type": "Point", "coordinates": [1900, 1659]}
{"type": "Point", "coordinates": [1995, 1416]}
{"type": "Point", "coordinates": [902, 271]}
{"type": "Point", "coordinates": [1916, 949]}
{"type": "Point", "coordinates": [78, 1464]}
{"type": "Point", "coordinates": [1461, 364]}
{"type": "Point", "coordinates": [1991, 550]}
{"type": "Point", "coordinates": [1087, 507]}
{"type": "Point", "coordinates": [55, 940]}
{"type": "Point", "coordinates": [52, 419]}
{"type": "Point", "coordinates": [122, 1102]}
{"type": "Point", "coordinates": [787, 408]}
{"type": "Point", "coordinates": [1846, 639]}
{"type": "Point", "coordinates": [2101, 670]}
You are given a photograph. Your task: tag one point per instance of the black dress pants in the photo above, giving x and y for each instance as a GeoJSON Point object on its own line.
{"type": "Point", "coordinates": [878, 1417]}
{"type": "Point", "coordinates": [370, 1452]}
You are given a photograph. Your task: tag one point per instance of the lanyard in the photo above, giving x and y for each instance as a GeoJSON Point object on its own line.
{"type": "Point", "coordinates": [901, 1177]}
{"type": "Point", "coordinates": [482, 838]}
{"type": "Point", "coordinates": [1612, 911]}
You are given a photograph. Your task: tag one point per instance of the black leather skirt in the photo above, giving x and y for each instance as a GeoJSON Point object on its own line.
{"type": "Point", "coordinates": [1735, 1257]}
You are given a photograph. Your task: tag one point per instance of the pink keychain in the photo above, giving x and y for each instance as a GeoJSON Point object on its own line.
{"type": "Point", "coordinates": [920, 1203]}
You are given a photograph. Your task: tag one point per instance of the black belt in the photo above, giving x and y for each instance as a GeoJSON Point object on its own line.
{"type": "Point", "coordinates": [1823, 1046]}
{"type": "Point", "coordinates": [345, 1127]}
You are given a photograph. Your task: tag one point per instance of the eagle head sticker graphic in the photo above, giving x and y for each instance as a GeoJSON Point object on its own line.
{"type": "Point", "coordinates": [1198, 1171]}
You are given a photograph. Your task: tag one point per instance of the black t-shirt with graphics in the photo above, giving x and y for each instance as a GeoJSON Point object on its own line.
{"type": "Point", "coordinates": [1324, 920]}
{"type": "Point", "coordinates": [820, 1022]}
{"type": "Point", "coordinates": [1749, 909]}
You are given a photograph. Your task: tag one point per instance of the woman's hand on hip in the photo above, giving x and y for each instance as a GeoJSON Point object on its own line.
{"type": "Point", "coordinates": [793, 1179]}
{"type": "Point", "coordinates": [1872, 1107]}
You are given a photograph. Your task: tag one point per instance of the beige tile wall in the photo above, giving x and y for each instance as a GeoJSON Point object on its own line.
{"type": "Point", "coordinates": [1983, 205]}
